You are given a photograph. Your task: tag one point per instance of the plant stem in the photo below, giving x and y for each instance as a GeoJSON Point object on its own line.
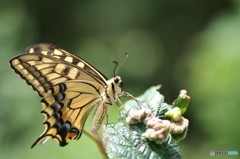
{"type": "Point", "coordinates": [98, 142]}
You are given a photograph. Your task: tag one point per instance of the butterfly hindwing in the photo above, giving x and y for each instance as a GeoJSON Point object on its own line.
{"type": "Point", "coordinates": [66, 108]}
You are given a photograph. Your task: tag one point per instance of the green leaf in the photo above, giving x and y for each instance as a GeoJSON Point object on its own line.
{"type": "Point", "coordinates": [126, 142]}
{"type": "Point", "coordinates": [182, 101]}
{"type": "Point", "coordinates": [129, 141]}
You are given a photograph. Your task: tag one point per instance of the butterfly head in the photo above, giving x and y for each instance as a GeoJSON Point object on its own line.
{"type": "Point", "coordinates": [118, 81]}
{"type": "Point", "coordinates": [114, 88]}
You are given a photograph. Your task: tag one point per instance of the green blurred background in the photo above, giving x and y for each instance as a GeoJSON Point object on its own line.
{"type": "Point", "coordinates": [192, 45]}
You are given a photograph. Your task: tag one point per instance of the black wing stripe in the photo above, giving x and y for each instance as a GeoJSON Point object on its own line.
{"type": "Point", "coordinates": [40, 76]}
{"type": "Point", "coordinates": [24, 70]}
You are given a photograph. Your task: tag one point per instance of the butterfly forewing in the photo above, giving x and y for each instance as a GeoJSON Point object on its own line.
{"type": "Point", "coordinates": [69, 87]}
{"type": "Point", "coordinates": [45, 65]}
{"type": "Point", "coordinates": [56, 52]}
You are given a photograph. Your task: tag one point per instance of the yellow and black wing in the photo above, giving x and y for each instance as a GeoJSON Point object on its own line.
{"type": "Point", "coordinates": [66, 108]}
{"type": "Point", "coordinates": [45, 65]}
{"type": "Point", "coordinates": [68, 85]}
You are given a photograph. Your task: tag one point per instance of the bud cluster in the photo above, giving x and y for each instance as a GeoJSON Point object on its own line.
{"type": "Point", "coordinates": [157, 129]}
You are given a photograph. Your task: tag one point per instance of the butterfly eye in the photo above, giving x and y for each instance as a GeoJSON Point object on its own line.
{"type": "Point", "coordinates": [116, 80]}
{"type": "Point", "coordinates": [121, 84]}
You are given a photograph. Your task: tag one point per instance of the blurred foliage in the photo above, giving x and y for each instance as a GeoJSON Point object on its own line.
{"type": "Point", "coordinates": [180, 44]}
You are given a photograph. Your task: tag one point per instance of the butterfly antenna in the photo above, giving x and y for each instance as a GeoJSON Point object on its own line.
{"type": "Point", "coordinates": [119, 65]}
{"type": "Point", "coordinates": [115, 68]}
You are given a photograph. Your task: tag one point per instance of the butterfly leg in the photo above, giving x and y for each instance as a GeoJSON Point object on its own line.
{"type": "Point", "coordinates": [98, 117]}
{"type": "Point", "coordinates": [126, 94]}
